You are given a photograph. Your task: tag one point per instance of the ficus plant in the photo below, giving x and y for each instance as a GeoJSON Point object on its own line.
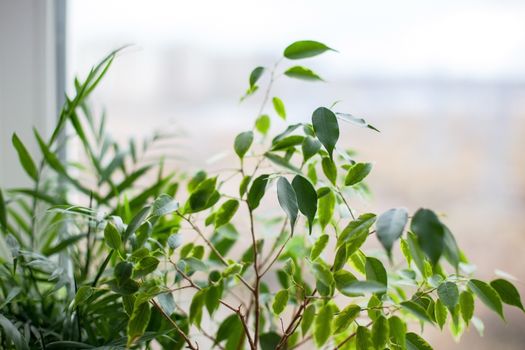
{"type": "Point", "coordinates": [270, 255]}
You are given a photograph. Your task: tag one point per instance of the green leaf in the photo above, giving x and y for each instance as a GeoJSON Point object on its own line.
{"type": "Point", "coordinates": [256, 192]}
{"type": "Point", "coordinates": [278, 105]}
{"type": "Point", "coordinates": [415, 342]}
{"type": "Point", "coordinates": [507, 292]}
{"type": "Point", "coordinates": [136, 222]}
{"type": "Point", "coordinates": [244, 185]}
{"type": "Point", "coordinates": [306, 198]}
{"type": "Point", "coordinates": [262, 124]}
{"type": "Point", "coordinates": [279, 302]}
{"type": "Point", "coordinates": [319, 246]}
{"type": "Point", "coordinates": [357, 229]}
{"type": "Point", "coordinates": [380, 332]}
{"type": "Point", "coordinates": [398, 330]}
{"type": "Point", "coordinates": [488, 295]}
{"type": "Point", "coordinates": [344, 319]}
{"type": "Point", "coordinates": [448, 293]}
{"type": "Point", "coordinates": [138, 322]}
{"type": "Point", "coordinates": [269, 341]}
{"type": "Point", "coordinates": [450, 249]}
{"type": "Point", "coordinates": [390, 226]}
{"type": "Point", "coordinates": [326, 128]}
{"type": "Point", "coordinates": [146, 266]}
{"type": "Point", "coordinates": [375, 271]}
{"type": "Point", "coordinates": [287, 142]}
{"type": "Point", "coordinates": [357, 173]}
{"type": "Point", "coordinates": [466, 303]}
{"type": "Point", "coordinates": [304, 49]}
{"type": "Point", "coordinates": [242, 143]}
{"type": "Point", "coordinates": [416, 310]}
{"type": "Point", "coordinates": [329, 169]}
{"type": "Point", "coordinates": [356, 121]}
{"type": "Point", "coordinates": [112, 236]}
{"type": "Point", "coordinates": [164, 205]}
{"type": "Point", "coordinates": [326, 206]}
{"type": "Point", "coordinates": [83, 294]}
{"type": "Point", "coordinates": [323, 274]}
{"type": "Point", "coordinates": [213, 297]}
{"type": "Point", "coordinates": [303, 73]}
{"type": "Point", "coordinates": [166, 302]}
{"type": "Point", "coordinates": [287, 200]}
{"type": "Point", "coordinates": [203, 196]}
{"type": "Point", "coordinates": [25, 158]}
{"type": "Point", "coordinates": [282, 161]}
{"type": "Point", "coordinates": [363, 339]}
{"type": "Point", "coordinates": [429, 230]}
{"type": "Point", "coordinates": [440, 313]}
{"type": "Point", "coordinates": [255, 75]}
{"type": "Point", "coordinates": [226, 212]}
{"type": "Point", "coordinates": [323, 325]}
{"type": "Point", "coordinates": [363, 287]}
{"type": "Point", "coordinates": [308, 318]}
{"type": "Point", "coordinates": [310, 147]}
{"type": "Point", "coordinates": [12, 334]}
{"type": "Point", "coordinates": [123, 271]}
{"type": "Point", "coordinates": [175, 241]}
{"type": "Point", "coordinates": [196, 305]}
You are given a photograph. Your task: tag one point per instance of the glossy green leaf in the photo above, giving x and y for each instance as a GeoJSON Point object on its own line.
{"type": "Point", "coordinates": [323, 325]}
{"type": "Point", "coordinates": [262, 124]}
{"type": "Point", "coordinates": [287, 142]}
{"type": "Point", "coordinates": [257, 190]}
{"type": "Point", "coordinates": [430, 233]}
{"type": "Point", "coordinates": [326, 205]}
{"type": "Point", "coordinates": [380, 332]}
{"type": "Point", "coordinates": [278, 105]}
{"type": "Point", "coordinates": [357, 173]}
{"type": "Point", "coordinates": [449, 294]}
{"type": "Point", "coordinates": [226, 212]}
{"type": "Point", "coordinates": [242, 143]}
{"type": "Point", "coordinates": [488, 295]}
{"type": "Point", "coordinates": [310, 147]}
{"type": "Point", "coordinates": [304, 49]}
{"type": "Point", "coordinates": [243, 186]}
{"type": "Point", "coordinates": [390, 226]}
{"type": "Point", "coordinates": [415, 342]}
{"type": "Point", "coordinates": [112, 236]}
{"type": "Point", "coordinates": [375, 271]}
{"type": "Point", "coordinates": [287, 200]}
{"type": "Point", "coordinates": [303, 73]}
{"type": "Point", "coordinates": [146, 266]}
{"type": "Point", "coordinates": [203, 196]}
{"type": "Point", "coordinates": [306, 198]}
{"type": "Point", "coordinates": [280, 301]}
{"type": "Point", "coordinates": [329, 170]}
{"type": "Point", "coordinates": [318, 247]}
{"type": "Point", "coordinates": [507, 292]}
{"type": "Point", "coordinates": [345, 317]}
{"type": "Point", "coordinates": [326, 128]}
{"type": "Point", "coordinates": [123, 271]}
{"type": "Point", "coordinates": [25, 158]}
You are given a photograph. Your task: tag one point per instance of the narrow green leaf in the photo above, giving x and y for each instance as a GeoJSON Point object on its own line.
{"type": "Point", "coordinates": [357, 173]}
{"type": "Point", "coordinates": [304, 49]}
{"type": "Point", "coordinates": [257, 190]}
{"type": "Point", "coordinates": [380, 332]}
{"type": "Point", "coordinates": [466, 303]}
{"type": "Point", "coordinates": [213, 297]}
{"type": "Point", "coordinates": [448, 293]}
{"type": "Point", "coordinates": [308, 318]}
{"type": "Point", "coordinates": [415, 342]}
{"type": "Point", "coordinates": [243, 186]}
{"type": "Point", "coordinates": [507, 292]}
{"type": "Point", "coordinates": [226, 212]}
{"type": "Point", "coordinates": [390, 226]}
{"type": "Point", "coordinates": [25, 158]}
{"type": "Point", "coordinates": [303, 73]}
{"type": "Point", "coordinates": [242, 143]}
{"type": "Point", "coordinates": [319, 246]}
{"type": "Point", "coordinates": [136, 222]}
{"type": "Point", "coordinates": [12, 334]}
{"type": "Point", "coordinates": [416, 310]}
{"type": "Point", "coordinates": [306, 198]}
{"type": "Point", "coordinates": [326, 205]}
{"type": "Point", "coordinates": [287, 142]}
{"type": "Point", "coordinates": [429, 230]}
{"type": "Point", "coordinates": [329, 169]}
{"type": "Point", "coordinates": [488, 295]}
{"type": "Point", "coordinates": [282, 161]}
{"type": "Point", "coordinates": [356, 121]}
{"type": "Point", "coordinates": [345, 317]}
{"type": "Point", "coordinates": [196, 305]}
{"type": "Point", "coordinates": [287, 200]}
{"type": "Point", "coordinates": [279, 301]}
{"type": "Point", "coordinates": [112, 236]}
{"type": "Point", "coordinates": [138, 322]}
{"type": "Point", "coordinates": [326, 128]}
{"type": "Point", "coordinates": [278, 105]}
{"type": "Point", "coordinates": [440, 313]}
{"type": "Point", "coordinates": [323, 325]}
{"type": "Point", "coordinates": [255, 75]}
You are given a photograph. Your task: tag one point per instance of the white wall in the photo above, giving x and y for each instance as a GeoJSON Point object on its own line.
{"type": "Point", "coordinates": [27, 79]}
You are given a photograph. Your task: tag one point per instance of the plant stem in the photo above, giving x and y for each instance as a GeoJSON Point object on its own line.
{"type": "Point", "coordinates": [257, 280]}
{"type": "Point", "coordinates": [175, 325]}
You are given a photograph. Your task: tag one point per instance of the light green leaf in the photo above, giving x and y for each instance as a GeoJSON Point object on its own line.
{"type": "Point", "coordinates": [319, 246]}
{"type": "Point", "coordinates": [416, 310]}
{"type": "Point", "coordinates": [278, 105]}
{"type": "Point", "coordinates": [175, 240]}
{"type": "Point", "coordinates": [390, 226]}
{"type": "Point", "coordinates": [488, 295]}
{"type": "Point", "coordinates": [323, 274]}
{"type": "Point", "coordinates": [138, 322]}
{"type": "Point", "coordinates": [398, 330]}
{"type": "Point", "coordinates": [326, 208]}
{"type": "Point", "coordinates": [363, 339]}
{"type": "Point", "coordinates": [430, 233]}
{"type": "Point", "coordinates": [362, 287]}
{"type": "Point", "coordinates": [226, 212]}
{"type": "Point", "coordinates": [344, 319]}
{"type": "Point", "coordinates": [415, 342]}
{"type": "Point", "coordinates": [164, 205]}
{"type": "Point", "coordinates": [356, 121]}
{"type": "Point", "coordinates": [356, 229]}
{"type": "Point", "coordinates": [507, 292]}
{"type": "Point", "coordinates": [112, 236]}
{"type": "Point", "coordinates": [308, 318]}
{"type": "Point", "coordinates": [380, 332]}
{"type": "Point", "coordinates": [257, 190]}
{"type": "Point", "coordinates": [306, 198]}
{"type": "Point", "coordinates": [326, 128]}
{"type": "Point", "coordinates": [303, 73]}
{"type": "Point", "coordinates": [242, 143]}
{"type": "Point", "coordinates": [440, 313]}
{"type": "Point", "coordinates": [466, 303]}
{"type": "Point", "coordinates": [323, 325]}
{"type": "Point", "coordinates": [279, 302]}
{"type": "Point", "coordinates": [25, 158]}
{"type": "Point", "coordinates": [262, 124]}
{"type": "Point", "coordinates": [357, 173]}
{"type": "Point", "coordinates": [449, 294]}
{"type": "Point", "coordinates": [166, 302]}
{"type": "Point", "coordinates": [287, 200]}
{"type": "Point", "coordinates": [304, 49]}
{"type": "Point", "coordinates": [282, 161]}
{"type": "Point", "coordinates": [329, 169]}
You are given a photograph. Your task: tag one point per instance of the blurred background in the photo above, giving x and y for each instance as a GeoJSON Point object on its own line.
{"type": "Point", "coordinates": [443, 81]}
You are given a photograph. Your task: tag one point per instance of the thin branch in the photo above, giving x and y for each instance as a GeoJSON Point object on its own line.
{"type": "Point", "coordinates": [257, 279]}
{"type": "Point", "coordinates": [175, 325]}
{"type": "Point", "coordinates": [347, 339]}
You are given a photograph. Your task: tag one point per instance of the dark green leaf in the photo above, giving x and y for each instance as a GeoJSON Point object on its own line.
{"type": "Point", "coordinates": [310, 147]}
{"type": "Point", "coordinates": [123, 271]}
{"type": "Point", "coordinates": [242, 143]}
{"type": "Point", "coordinates": [415, 342]}
{"type": "Point", "coordinates": [287, 200]}
{"type": "Point", "coordinates": [305, 49]}
{"type": "Point", "coordinates": [278, 105]}
{"type": "Point", "coordinates": [226, 212]}
{"type": "Point", "coordinates": [146, 266]}
{"type": "Point", "coordinates": [357, 173]}
{"type": "Point", "coordinates": [323, 325]}
{"type": "Point", "coordinates": [25, 158]}
{"type": "Point", "coordinates": [429, 230]}
{"type": "Point", "coordinates": [380, 332]}
{"type": "Point", "coordinates": [256, 192]}
{"type": "Point", "coordinates": [203, 196]}
{"type": "Point", "coordinates": [197, 303]}
{"type": "Point", "coordinates": [255, 75]}
{"type": "Point", "coordinates": [488, 295]}
{"type": "Point", "coordinates": [213, 298]}
{"type": "Point", "coordinates": [287, 142]}
{"type": "Point", "coordinates": [507, 292]}
{"type": "Point", "coordinates": [390, 226]}
{"type": "Point", "coordinates": [326, 128]}
{"type": "Point", "coordinates": [279, 302]}
{"type": "Point", "coordinates": [269, 341]}
{"type": "Point", "coordinates": [281, 161]}
{"type": "Point", "coordinates": [112, 236]}
{"type": "Point", "coordinates": [83, 294]}
{"type": "Point", "coordinates": [416, 310]}
{"type": "Point", "coordinates": [306, 198]}
{"type": "Point", "coordinates": [3, 212]}
{"type": "Point", "coordinates": [12, 334]}
{"type": "Point", "coordinates": [449, 294]}
{"type": "Point", "coordinates": [300, 72]}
